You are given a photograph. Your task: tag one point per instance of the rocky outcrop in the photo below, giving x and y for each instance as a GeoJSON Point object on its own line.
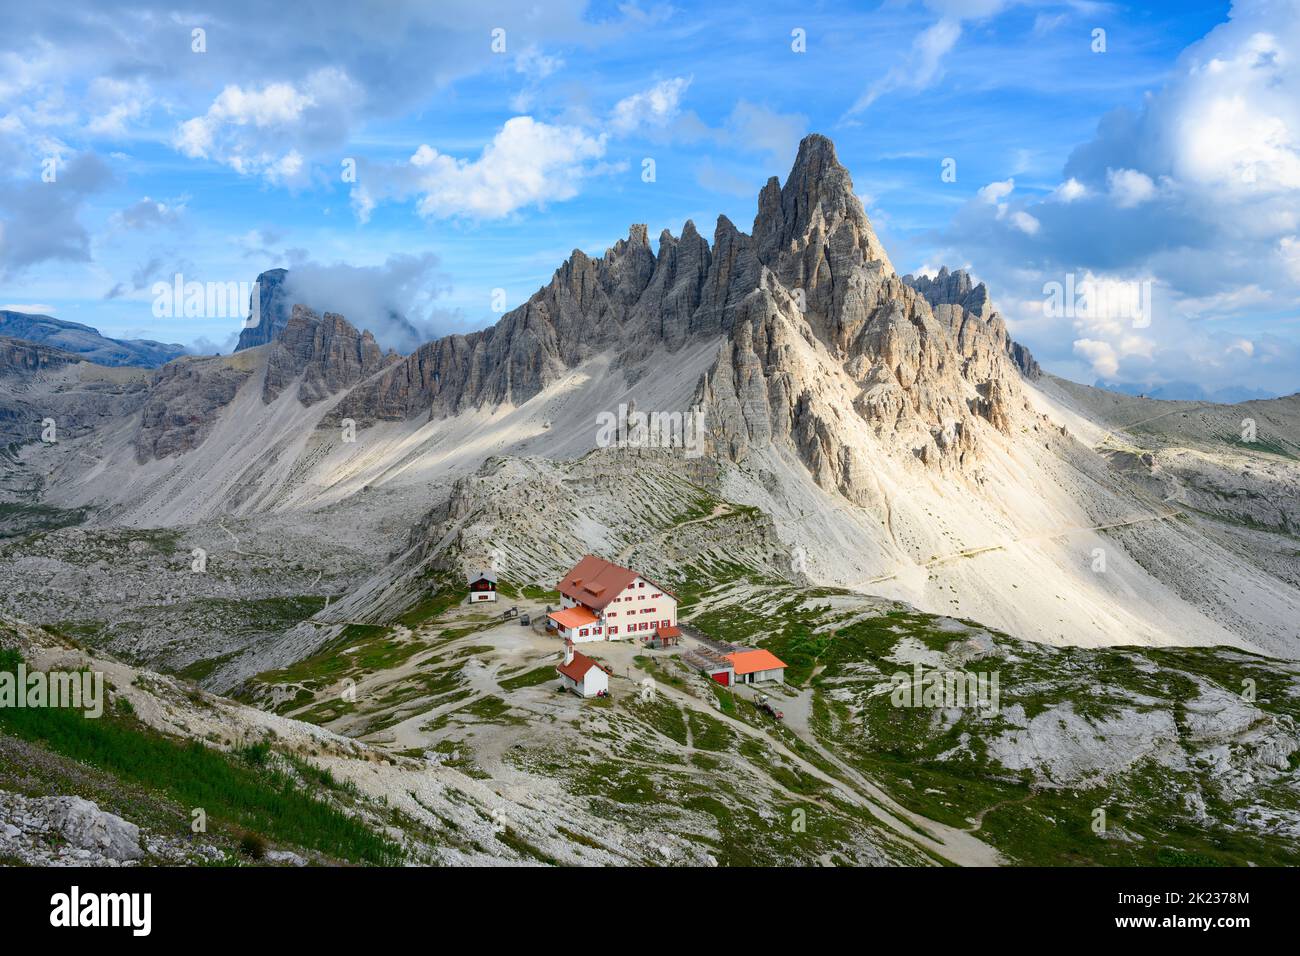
{"type": "Point", "coordinates": [587, 307]}
{"type": "Point", "coordinates": [273, 310]}
{"type": "Point", "coordinates": [19, 357]}
{"type": "Point", "coordinates": [968, 311]}
{"type": "Point", "coordinates": [184, 400]}
{"type": "Point", "coordinates": [38, 382]}
{"type": "Point", "coordinates": [822, 341]}
{"type": "Point", "coordinates": [670, 299]}
{"type": "Point", "coordinates": [84, 825]}
{"type": "Point", "coordinates": [327, 352]}
{"type": "Point", "coordinates": [814, 219]}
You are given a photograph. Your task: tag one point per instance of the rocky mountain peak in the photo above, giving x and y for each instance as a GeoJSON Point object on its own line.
{"type": "Point", "coordinates": [966, 308]}
{"type": "Point", "coordinates": [327, 351]}
{"type": "Point", "coordinates": [816, 207]}
{"type": "Point", "coordinates": [273, 310]}
{"type": "Point", "coordinates": [954, 288]}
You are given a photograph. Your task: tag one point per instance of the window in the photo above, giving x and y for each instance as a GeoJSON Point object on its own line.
{"type": "Point", "coordinates": [613, 630]}
{"type": "Point", "coordinates": [656, 594]}
{"type": "Point", "coordinates": [640, 584]}
{"type": "Point", "coordinates": [583, 632]}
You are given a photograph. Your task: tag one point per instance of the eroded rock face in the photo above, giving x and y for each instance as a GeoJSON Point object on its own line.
{"type": "Point", "coordinates": [822, 338]}
{"type": "Point", "coordinates": [588, 306]}
{"type": "Point", "coordinates": [965, 308]}
{"type": "Point", "coordinates": [328, 352]}
{"type": "Point", "coordinates": [184, 400]}
{"type": "Point", "coordinates": [19, 356]}
{"type": "Point", "coordinates": [827, 340]}
{"type": "Point", "coordinates": [273, 310]}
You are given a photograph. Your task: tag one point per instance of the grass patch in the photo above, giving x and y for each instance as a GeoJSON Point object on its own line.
{"type": "Point", "coordinates": [241, 790]}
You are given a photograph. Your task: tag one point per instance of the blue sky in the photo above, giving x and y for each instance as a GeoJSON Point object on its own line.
{"type": "Point", "coordinates": [1169, 161]}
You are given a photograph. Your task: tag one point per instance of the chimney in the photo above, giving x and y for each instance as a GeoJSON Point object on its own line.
{"type": "Point", "coordinates": [568, 650]}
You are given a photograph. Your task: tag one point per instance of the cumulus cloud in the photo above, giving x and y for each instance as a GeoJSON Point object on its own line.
{"type": "Point", "coordinates": [1100, 355]}
{"type": "Point", "coordinates": [996, 192]}
{"type": "Point", "coordinates": [1198, 192]}
{"type": "Point", "coordinates": [1129, 188]}
{"type": "Point", "coordinates": [1025, 222]}
{"type": "Point", "coordinates": [1069, 191]}
{"type": "Point", "coordinates": [655, 107]}
{"type": "Point", "coordinates": [527, 163]}
{"type": "Point", "coordinates": [265, 131]}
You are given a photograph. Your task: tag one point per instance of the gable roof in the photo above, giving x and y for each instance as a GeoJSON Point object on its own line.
{"type": "Point", "coordinates": [595, 582]}
{"type": "Point", "coordinates": [577, 668]}
{"type": "Point", "coordinates": [748, 662]}
{"type": "Point", "coordinates": [481, 576]}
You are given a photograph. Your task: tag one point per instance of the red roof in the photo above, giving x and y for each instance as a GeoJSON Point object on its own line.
{"type": "Point", "coordinates": [595, 582]}
{"type": "Point", "coordinates": [576, 668]}
{"type": "Point", "coordinates": [669, 631]}
{"type": "Point", "coordinates": [748, 662]}
{"type": "Point", "coordinates": [573, 617]}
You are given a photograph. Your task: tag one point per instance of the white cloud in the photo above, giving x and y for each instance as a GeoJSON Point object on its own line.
{"type": "Point", "coordinates": [1100, 355]}
{"type": "Point", "coordinates": [997, 191]}
{"type": "Point", "coordinates": [922, 67]}
{"type": "Point", "coordinates": [1069, 191]}
{"type": "Point", "coordinates": [527, 163]}
{"type": "Point", "coordinates": [266, 131]}
{"type": "Point", "coordinates": [1129, 188]}
{"type": "Point", "coordinates": [362, 202]}
{"type": "Point", "coordinates": [1025, 222]}
{"type": "Point", "coordinates": [1234, 119]}
{"type": "Point", "coordinates": [114, 104]}
{"type": "Point", "coordinates": [535, 64]}
{"type": "Point", "coordinates": [1288, 248]}
{"type": "Point", "coordinates": [753, 127]}
{"type": "Point", "coordinates": [655, 107]}
{"type": "Point", "coordinates": [32, 308]}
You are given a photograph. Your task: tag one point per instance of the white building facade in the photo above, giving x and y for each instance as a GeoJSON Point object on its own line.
{"type": "Point", "coordinates": [602, 601]}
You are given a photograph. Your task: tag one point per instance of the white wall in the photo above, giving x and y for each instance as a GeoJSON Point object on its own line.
{"type": "Point", "coordinates": [595, 680]}
{"type": "Point", "coordinates": [627, 608]}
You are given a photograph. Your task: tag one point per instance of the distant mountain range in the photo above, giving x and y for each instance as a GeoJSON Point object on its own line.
{"type": "Point", "coordinates": [1189, 392]}
{"type": "Point", "coordinates": [86, 342]}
